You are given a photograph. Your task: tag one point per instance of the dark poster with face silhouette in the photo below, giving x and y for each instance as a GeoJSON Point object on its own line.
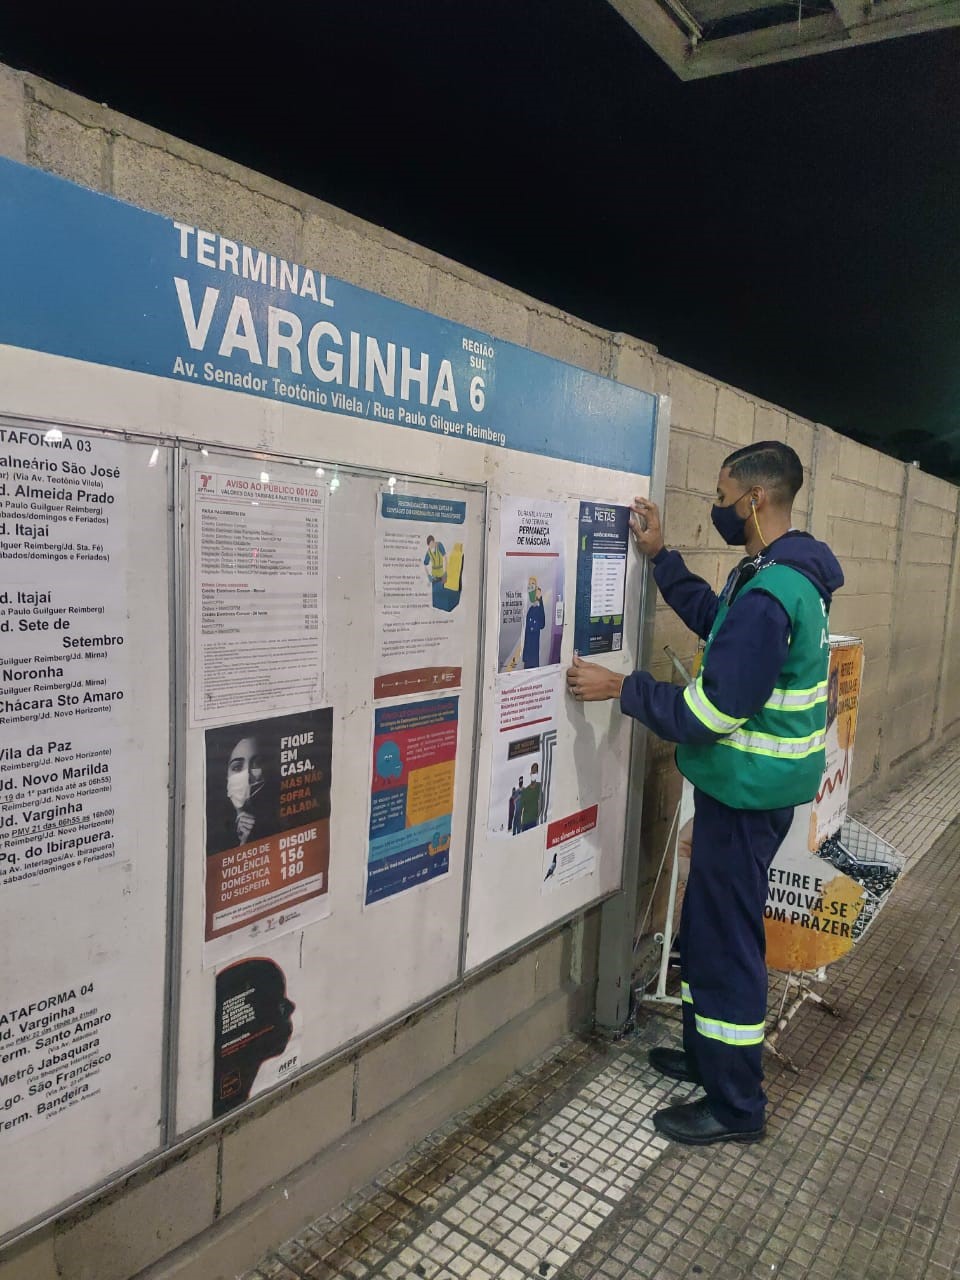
{"type": "Point", "coordinates": [256, 1037]}
{"type": "Point", "coordinates": [267, 829]}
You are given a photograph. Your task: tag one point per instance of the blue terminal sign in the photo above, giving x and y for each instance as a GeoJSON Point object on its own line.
{"type": "Point", "coordinates": [89, 277]}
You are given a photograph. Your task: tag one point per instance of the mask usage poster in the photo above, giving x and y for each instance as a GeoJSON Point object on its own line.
{"type": "Point", "coordinates": [532, 567]}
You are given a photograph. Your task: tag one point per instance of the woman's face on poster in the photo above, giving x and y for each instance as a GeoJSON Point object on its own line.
{"type": "Point", "coordinates": [245, 771]}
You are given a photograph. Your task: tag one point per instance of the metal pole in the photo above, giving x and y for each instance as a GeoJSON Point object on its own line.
{"type": "Point", "coordinates": [618, 915]}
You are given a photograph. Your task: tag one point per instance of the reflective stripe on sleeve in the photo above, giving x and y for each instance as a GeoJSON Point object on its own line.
{"type": "Point", "coordinates": [730, 1032]}
{"type": "Point", "coordinates": [706, 712]}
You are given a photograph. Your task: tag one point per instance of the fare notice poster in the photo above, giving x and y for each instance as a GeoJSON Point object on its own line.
{"type": "Point", "coordinates": [603, 534]}
{"type": "Point", "coordinates": [411, 804]}
{"type": "Point", "coordinates": [257, 566]}
{"type": "Point", "coordinates": [267, 829]}
{"type": "Point", "coordinates": [421, 560]}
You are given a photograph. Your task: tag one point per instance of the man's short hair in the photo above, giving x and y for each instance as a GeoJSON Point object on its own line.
{"type": "Point", "coordinates": [769, 463]}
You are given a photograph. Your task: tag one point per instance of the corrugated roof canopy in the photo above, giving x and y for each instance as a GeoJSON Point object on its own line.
{"type": "Point", "coordinates": [698, 38]}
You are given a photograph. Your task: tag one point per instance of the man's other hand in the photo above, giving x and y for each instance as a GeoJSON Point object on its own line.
{"type": "Point", "coordinates": [645, 526]}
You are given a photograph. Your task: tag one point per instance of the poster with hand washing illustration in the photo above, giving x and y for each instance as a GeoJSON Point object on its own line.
{"type": "Point", "coordinates": [532, 567]}
{"type": "Point", "coordinates": [421, 560]}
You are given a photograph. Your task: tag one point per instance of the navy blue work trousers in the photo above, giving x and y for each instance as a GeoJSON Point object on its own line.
{"type": "Point", "coordinates": [722, 954]}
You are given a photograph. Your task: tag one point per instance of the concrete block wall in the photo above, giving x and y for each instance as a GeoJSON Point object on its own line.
{"type": "Point", "coordinates": [895, 531]}
{"type": "Point", "coordinates": [209, 1210]}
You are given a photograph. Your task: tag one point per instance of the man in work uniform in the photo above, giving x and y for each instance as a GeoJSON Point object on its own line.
{"type": "Point", "coordinates": [750, 734]}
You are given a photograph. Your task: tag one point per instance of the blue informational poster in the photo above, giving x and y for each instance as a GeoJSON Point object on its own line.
{"type": "Point", "coordinates": [411, 808]}
{"type": "Point", "coordinates": [603, 534]}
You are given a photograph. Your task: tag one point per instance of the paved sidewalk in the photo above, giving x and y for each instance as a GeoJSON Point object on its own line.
{"type": "Point", "coordinates": [560, 1174]}
{"type": "Point", "coordinates": [915, 815]}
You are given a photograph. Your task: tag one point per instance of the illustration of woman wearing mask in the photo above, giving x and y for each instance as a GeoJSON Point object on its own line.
{"type": "Point", "coordinates": [248, 810]}
{"type": "Point", "coordinates": [528, 648]}
{"type": "Point", "coordinates": [535, 622]}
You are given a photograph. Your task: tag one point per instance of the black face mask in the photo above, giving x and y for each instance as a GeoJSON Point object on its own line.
{"type": "Point", "coordinates": [731, 527]}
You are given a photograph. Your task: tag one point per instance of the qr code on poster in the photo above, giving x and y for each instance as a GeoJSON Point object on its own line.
{"type": "Point", "coordinates": [617, 640]}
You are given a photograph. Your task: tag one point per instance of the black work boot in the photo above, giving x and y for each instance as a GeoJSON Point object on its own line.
{"type": "Point", "coordinates": [694, 1124]}
{"type": "Point", "coordinates": [673, 1063]}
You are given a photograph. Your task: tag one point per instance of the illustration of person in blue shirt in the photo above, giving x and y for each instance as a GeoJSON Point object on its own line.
{"type": "Point", "coordinates": [536, 621]}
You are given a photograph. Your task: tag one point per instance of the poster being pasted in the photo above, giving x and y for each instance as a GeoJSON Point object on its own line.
{"type": "Point", "coordinates": [531, 583]}
{"type": "Point", "coordinates": [522, 768]}
{"type": "Point", "coordinates": [421, 562]}
{"type": "Point", "coordinates": [411, 804]}
{"type": "Point", "coordinates": [267, 829]}
{"type": "Point", "coordinates": [603, 534]}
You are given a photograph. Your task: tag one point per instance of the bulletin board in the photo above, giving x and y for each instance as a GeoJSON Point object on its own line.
{"type": "Point", "coordinates": [526, 877]}
{"type": "Point", "coordinates": [376, 538]}
{"type": "Point", "coordinates": [348, 946]}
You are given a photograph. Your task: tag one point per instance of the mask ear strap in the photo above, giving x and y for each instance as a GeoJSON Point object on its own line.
{"type": "Point", "coordinates": [756, 521]}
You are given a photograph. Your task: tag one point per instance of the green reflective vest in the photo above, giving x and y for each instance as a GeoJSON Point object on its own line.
{"type": "Point", "coordinates": [775, 758]}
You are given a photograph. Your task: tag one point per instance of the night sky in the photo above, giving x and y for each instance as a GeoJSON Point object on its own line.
{"type": "Point", "coordinates": [793, 230]}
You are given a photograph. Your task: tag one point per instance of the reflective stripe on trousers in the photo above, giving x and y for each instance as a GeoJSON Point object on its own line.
{"type": "Point", "coordinates": [735, 1033]}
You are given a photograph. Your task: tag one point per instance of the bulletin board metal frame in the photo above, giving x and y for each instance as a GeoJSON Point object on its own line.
{"type": "Point", "coordinates": [177, 450]}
